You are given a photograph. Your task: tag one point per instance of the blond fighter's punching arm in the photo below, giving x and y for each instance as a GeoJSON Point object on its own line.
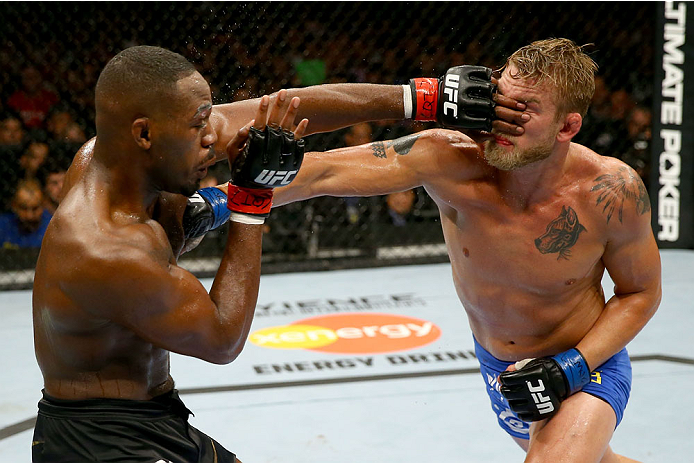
{"type": "Point", "coordinates": [427, 158]}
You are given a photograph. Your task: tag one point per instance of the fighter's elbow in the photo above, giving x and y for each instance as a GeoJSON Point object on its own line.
{"type": "Point", "coordinates": [224, 355]}
{"type": "Point", "coordinates": [656, 299]}
{"type": "Point", "coordinates": [224, 358]}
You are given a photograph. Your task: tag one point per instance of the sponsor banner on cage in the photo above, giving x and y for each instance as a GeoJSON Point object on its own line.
{"type": "Point", "coordinates": [672, 159]}
{"type": "Point", "coordinates": [339, 304]}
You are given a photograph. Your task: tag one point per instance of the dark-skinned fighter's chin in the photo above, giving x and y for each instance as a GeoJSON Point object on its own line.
{"type": "Point", "coordinates": [183, 186]}
{"type": "Point", "coordinates": [504, 159]}
{"type": "Point", "coordinates": [190, 189]}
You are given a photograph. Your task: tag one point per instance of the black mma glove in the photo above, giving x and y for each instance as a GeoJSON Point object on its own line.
{"type": "Point", "coordinates": [462, 98]}
{"type": "Point", "coordinates": [536, 391]}
{"type": "Point", "coordinates": [271, 158]}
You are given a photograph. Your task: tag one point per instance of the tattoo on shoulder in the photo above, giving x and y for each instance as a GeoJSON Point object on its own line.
{"type": "Point", "coordinates": [379, 149]}
{"type": "Point", "coordinates": [561, 234]}
{"type": "Point", "coordinates": [615, 189]}
{"type": "Point", "coordinates": [403, 145]}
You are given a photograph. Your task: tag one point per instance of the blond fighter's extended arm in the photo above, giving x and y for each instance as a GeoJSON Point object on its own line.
{"type": "Point", "coordinates": [425, 158]}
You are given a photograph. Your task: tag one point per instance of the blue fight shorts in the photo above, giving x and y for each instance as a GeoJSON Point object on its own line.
{"type": "Point", "coordinates": [610, 382]}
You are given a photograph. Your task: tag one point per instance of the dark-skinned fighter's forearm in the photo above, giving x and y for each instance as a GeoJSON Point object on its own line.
{"type": "Point", "coordinates": [327, 107]}
{"type": "Point", "coordinates": [333, 106]}
{"type": "Point", "coordinates": [235, 287]}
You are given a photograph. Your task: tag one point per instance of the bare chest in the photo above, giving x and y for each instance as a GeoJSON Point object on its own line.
{"type": "Point", "coordinates": [543, 248]}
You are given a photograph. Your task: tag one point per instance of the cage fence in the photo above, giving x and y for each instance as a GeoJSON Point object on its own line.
{"type": "Point", "coordinates": [51, 54]}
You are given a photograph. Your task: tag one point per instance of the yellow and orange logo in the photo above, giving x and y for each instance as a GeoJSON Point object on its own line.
{"type": "Point", "coordinates": [353, 333]}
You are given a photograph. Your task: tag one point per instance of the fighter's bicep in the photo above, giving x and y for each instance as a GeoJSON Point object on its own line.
{"type": "Point", "coordinates": [155, 299]}
{"type": "Point", "coordinates": [632, 258]}
{"type": "Point", "coordinates": [631, 253]}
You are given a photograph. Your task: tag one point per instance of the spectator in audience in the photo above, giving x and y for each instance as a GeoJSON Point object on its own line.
{"type": "Point", "coordinates": [600, 105]}
{"type": "Point", "coordinates": [621, 104]}
{"type": "Point", "coordinates": [58, 122]}
{"type": "Point", "coordinates": [638, 152]}
{"type": "Point", "coordinates": [66, 135]}
{"type": "Point", "coordinates": [400, 208]}
{"type": "Point", "coordinates": [74, 134]}
{"type": "Point", "coordinates": [606, 127]}
{"type": "Point", "coordinates": [32, 159]}
{"type": "Point", "coordinates": [33, 101]}
{"type": "Point", "coordinates": [11, 143]}
{"type": "Point", "coordinates": [11, 132]}
{"type": "Point", "coordinates": [52, 176]}
{"type": "Point", "coordinates": [25, 224]}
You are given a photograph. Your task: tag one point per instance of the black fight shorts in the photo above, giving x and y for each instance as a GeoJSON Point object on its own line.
{"type": "Point", "coordinates": [115, 430]}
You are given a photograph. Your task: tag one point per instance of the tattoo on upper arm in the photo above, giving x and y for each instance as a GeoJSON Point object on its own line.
{"type": "Point", "coordinates": [561, 234]}
{"type": "Point", "coordinates": [379, 149]}
{"type": "Point", "coordinates": [616, 188]}
{"type": "Point", "coordinates": [403, 145]}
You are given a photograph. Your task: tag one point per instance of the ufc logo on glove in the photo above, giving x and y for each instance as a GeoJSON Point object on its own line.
{"type": "Point", "coordinates": [543, 402]}
{"type": "Point", "coordinates": [451, 91]}
{"type": "Point", "coordinates": [271, 177]}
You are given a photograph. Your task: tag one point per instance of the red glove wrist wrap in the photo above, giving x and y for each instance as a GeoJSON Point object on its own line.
{"type": "Point", "coordinates": [254, 201]}
{"type": "Point", "coordinates": [426, 98]}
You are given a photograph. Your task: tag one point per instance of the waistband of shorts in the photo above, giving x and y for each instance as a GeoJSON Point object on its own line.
{"type": "Point", "coordinates": [487, 359]}
{"type": "Point", "coordinates": [166, 404]}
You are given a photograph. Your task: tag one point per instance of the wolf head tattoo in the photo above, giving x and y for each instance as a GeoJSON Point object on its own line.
{"type": "Point", "coordinates": [561, 234]}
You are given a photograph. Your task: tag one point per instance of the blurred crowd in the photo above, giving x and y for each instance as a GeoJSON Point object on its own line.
{"type": "Point", "coordinates": [51, 56]}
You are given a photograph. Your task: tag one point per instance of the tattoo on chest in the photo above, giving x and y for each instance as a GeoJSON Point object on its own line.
{"type": "Point", "coordinates": [615, 189]}
{"type": "Point", "coordinates": [379, 149]}
{"type": "Point", "coordinates": [403, 145]}
{"type": "Point", "coordinates": [561, 234]}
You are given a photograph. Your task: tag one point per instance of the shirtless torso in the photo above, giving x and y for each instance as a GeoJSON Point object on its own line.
{"type": "Point", "coordinates": [531, 223]}
{"type": "Point", "coordinates": [69, 335]}
{"type": "Point", "coordinates": [84, 347]}
{"type": "Point", "coordinates": [527, 269]}
{"type": "Point", "coordinates": [529, 275]}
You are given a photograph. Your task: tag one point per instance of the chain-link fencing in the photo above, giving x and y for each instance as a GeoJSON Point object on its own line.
{"type": "Point", "coordinates": [51, 54]}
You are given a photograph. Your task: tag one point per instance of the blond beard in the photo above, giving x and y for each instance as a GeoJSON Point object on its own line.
{"type": "Point", "coordinates": [497, 156]}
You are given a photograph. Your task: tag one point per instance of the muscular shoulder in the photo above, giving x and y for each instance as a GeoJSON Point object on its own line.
{"type": "Point", "coordinates": [101, 248]}
{"type": "Point", "coordinates": [615, 189]}
{"type": "Point", "coordinates": [447, 154]}
{"type": "Point", "coordinates": [79, 164]}
{"type": "Point", "coordinates": [449, 141]}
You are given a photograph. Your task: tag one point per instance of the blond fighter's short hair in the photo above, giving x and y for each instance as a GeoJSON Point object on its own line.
{"type": "Point", "coordinates": [565, 65]}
